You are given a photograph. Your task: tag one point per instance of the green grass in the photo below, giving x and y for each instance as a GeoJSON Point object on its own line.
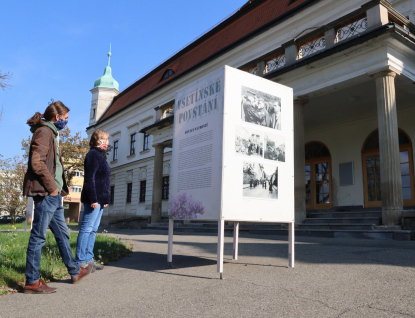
{"type": "Point", "coordinates": [8, 226]}
{"type": "Point", "coordinates": [20, 226]}
{"type": "Point", "coordinates": [13, 245]}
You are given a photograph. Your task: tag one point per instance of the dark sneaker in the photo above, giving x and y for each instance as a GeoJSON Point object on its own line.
{"type": "Point", "coordinates": [82, 273]}
{"type": "Point", "coordinates": [38, 287]}
{"type": "Point", "coordinates": [95, 265]}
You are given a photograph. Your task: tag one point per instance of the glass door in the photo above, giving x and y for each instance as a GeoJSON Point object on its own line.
{"type": "Point", "coordinates": [318, 184]}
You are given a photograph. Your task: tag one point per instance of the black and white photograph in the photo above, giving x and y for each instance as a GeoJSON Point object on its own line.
{"type": "Point", "coordinates": [274, 148]}
{"type": "Point", "coordinates": [248, 142]}
{"type": "Point", "coordinates": [260, 181]}
{"type": "Point", "coordinates": [260, 108]}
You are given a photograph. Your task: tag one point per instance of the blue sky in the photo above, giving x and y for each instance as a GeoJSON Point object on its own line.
{"type": "Point", "coordinates": [57, 49]}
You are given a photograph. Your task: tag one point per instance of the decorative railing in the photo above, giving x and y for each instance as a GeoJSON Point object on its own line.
{"type": "Point", "coordinates": [311, 47]}
{"type": "Point", "coordinates": [253, 70]}
{"type": "Point", "coordinates": [351, 29]}
{"type": "Point", "coordinates": [324, 37]}
{"type": "Point", "coordinates": [275, 63]}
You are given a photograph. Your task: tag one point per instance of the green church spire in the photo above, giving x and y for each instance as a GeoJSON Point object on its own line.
{"type": "Point", "coordinates": [107, 80]}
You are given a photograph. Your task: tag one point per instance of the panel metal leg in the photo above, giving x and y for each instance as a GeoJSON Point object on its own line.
{"type": "Point", "coordinates": [170, 244]}
{"type": "Point", "coordinates": [291, 233]}
{"type": "Point", "coordinates": [221, 238]}
{"type": "Point", "coordinates": [235, 239]}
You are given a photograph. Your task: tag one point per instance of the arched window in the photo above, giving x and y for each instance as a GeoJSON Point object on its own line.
{"type": "Point", "coordinates": [167, 73]}
{"type": "Point", "coordinates": [371, 170]}
{"type": "Point", "coordinates": [318, 176]}
{"type": "Point", "coordinates": [372, 141]}
{"type": "Point", "coordinates": [315, 150]}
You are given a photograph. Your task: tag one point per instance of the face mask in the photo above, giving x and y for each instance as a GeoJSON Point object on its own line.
{"type": "Point", "coordinates": [103, 144]}
{"type": "Point", "coordinates": [61, 124]}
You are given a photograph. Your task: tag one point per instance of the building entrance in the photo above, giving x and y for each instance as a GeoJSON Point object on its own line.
{"type": "Point", "coordinates": [318, 176]}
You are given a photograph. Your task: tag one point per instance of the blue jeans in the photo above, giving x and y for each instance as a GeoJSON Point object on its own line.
{"type": "Point", "coordinates": [48, 212]}
{"type": "Point", "coordinates": [88, 227]}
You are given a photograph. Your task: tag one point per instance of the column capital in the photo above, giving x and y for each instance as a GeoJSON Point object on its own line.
{"type": "Point", "coordinates": [384, 71]}
{"type": "Point", "coordinates": [165, 144]}
{"type": "Point", "coordinates": [159, 146]}
{"type": "Point", "coordinates": [301, 99]}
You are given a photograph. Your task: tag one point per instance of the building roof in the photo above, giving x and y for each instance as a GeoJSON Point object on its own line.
{"type": "Point", "coordinates": [255, 16]}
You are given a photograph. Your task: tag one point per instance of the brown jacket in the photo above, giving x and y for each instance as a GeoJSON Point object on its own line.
{"type": "Point", "coordinates": [40, 175]}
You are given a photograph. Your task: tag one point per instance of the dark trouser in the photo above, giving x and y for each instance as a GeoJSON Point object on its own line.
{"type": "Point", "coordinates": [48, 212]}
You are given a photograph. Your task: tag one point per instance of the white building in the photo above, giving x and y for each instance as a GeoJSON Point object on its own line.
{"type": "Point", "coordinates": [351, 64]}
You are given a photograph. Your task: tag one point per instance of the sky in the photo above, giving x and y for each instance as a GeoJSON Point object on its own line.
{"type": "Point", "coordinates": [57, 49]}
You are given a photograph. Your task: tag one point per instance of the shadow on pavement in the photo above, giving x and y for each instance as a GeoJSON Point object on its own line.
{"type": "Point", "coordinates": [153, 262]}
{"type": "Point", "coordinates": [307, 250]}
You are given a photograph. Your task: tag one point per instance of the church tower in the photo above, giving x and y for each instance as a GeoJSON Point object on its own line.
{"type": "Point", "coordinates": [104, 91]}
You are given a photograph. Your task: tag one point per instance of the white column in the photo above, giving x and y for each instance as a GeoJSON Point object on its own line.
{"type": "Point", "coordinates": [235, 239]}
{"type": "Point", "coordinates": [390, 169]}
{"type": "Point", "coordinates": [299, 159]}
{"type": "Point", "coordinates": [157, 183]}
{"type": "Point", "coordinates": [221, 244]}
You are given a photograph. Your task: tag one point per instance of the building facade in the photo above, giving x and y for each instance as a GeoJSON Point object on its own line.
{"type": "Point", "coordinates": [351, 65]}
{"type": "Point", "coordinates": [72, 202]}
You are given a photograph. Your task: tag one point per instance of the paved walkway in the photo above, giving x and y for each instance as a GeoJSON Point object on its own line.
{"type": "Point", "coordinates": [332, 278]}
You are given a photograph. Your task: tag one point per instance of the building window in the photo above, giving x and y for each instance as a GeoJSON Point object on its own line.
{"type": "Point", "coordinates": [166, 184]}
{"type": "Point", "coordinates": [167, 73]}
{"type": "Point", "coordinates": [132, 144]}
{"type": "Point", "coordinates": [129, 192]}
{"type": "Point", "coordinates": [78, 173]}
{"type": "Point", "coordinates": [112, 188]}
{"type": "Point", "coordinates": [146, 141]}
{"type": "Point", "coordinates": [93, 113]}
{"type": "Point", "coordinates": [372, 166]}
{"type": "Point", "coordinates": [76, 189]}
{"type": "Point", "coordinates": [115, 154]}
{"type": "Point", "coordinates": [143, 185]}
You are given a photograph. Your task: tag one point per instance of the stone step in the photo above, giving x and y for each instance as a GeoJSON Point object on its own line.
{"type": "Point", "coordinates": [361, 220]}
{"type": "Point", "coordinates": [398, 235]}
{"type": "Point", "coordinates": [350, 214]}
{"type": "Point", "coordinates": [347, 209]}
{"type": "Point", "coordinates": [335, 226]}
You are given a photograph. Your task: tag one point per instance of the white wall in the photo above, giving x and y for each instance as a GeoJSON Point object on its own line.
{"type": "Point", "coordinates": [345, 142]}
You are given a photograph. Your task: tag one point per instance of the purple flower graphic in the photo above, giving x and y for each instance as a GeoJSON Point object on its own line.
{"type": "Point", "coordinates": [184, 207]}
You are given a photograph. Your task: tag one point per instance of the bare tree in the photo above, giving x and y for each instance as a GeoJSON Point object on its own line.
{"type": "Point", "coordinates": [4, 79]}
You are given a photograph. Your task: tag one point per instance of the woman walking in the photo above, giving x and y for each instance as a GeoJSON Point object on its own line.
{"type": "Point", "coordinates": [95, 196]}
{"type": "Point", "coordinates": [45, 182]}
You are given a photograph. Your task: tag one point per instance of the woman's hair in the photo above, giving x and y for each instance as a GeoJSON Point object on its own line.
{"type": "Point", "coordinates": [55, 108]}
{"type": "Point", "coordinates": [96, 136]}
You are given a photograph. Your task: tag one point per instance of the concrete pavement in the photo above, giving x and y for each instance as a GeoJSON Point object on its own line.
{"type": "Point", "coordinates": [332, 278]}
